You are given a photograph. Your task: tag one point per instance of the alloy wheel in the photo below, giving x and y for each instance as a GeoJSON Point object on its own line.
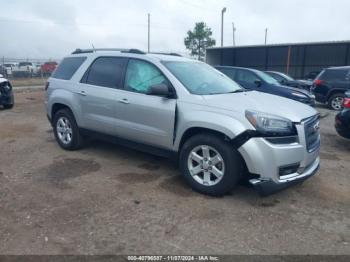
{"type": "Point", "coordinates": [206, 165]}
{"type": "Point", "coordinates": [64, 130]}
{"type": "Point", "coordinates": [337, 102]}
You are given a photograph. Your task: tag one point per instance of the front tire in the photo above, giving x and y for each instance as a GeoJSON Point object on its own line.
{"type": "Point", "coordinates": [210, 164]}
{"type": "Point", "coordinates": [66, 130]}
{"type": "Point", "coordinates": [335, 101]}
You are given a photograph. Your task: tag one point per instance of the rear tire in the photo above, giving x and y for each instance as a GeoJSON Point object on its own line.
{"type": "Point", "coordinates": [66, 130]}
{"type": "Point", "coordinates": [335, 101]}
{"type": "Point", "coordinates": [202, 170]}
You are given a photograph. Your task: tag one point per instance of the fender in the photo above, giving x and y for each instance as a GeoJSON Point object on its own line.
{"type": "Point", "coordinates": [219, 122]}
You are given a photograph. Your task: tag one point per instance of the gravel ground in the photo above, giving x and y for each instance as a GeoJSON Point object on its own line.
{"type": "Point", "coordinates": [106, 199]}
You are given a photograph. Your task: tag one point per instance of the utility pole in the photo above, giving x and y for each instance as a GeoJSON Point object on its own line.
{"type": "Point", "coordinates": [265, 36]}
{"type": "Point", "coordinates": [149, 33]}
{"type": "Point", "coordinates": [233, 34]}
{"type": "Point", "coordinates": [222, 25]}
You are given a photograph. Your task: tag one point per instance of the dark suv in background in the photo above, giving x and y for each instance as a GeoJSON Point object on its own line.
{"type": "Point", "coordinates": [252, 79]}
{"type": "Point", "coordinates": [330, 86]}
{"type": "Point", "coordinates": [342, 119]}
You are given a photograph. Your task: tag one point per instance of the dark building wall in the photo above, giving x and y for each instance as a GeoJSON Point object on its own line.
{"type": "Point", "coordinates": [303, 58]}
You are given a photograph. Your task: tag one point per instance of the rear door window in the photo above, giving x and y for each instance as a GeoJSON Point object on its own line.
{"type": "Point", "coordinates": [106, 72]}
{"type": "Point", "coordinates": [68, 67]}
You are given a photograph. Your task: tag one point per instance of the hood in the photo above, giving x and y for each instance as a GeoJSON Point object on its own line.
{"type": "Point", "coordinates": [2, 80]}
{"type": "Point", "coordinates": [262, 102]}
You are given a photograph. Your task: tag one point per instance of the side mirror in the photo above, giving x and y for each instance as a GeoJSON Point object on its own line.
{"type": "Point", "coordinates": [257, 82]}
{"type": "Point", "coordinates": [160, 90]}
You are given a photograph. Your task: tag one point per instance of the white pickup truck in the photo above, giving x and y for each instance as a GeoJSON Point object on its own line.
{"type": "Point", "coordinates": [26, 69]}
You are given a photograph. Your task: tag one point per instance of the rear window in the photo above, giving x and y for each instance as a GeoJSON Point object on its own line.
{"type": "Point", "coordinates": [68, 67]}
{"type": "Point", "coordinates": [334, 75]}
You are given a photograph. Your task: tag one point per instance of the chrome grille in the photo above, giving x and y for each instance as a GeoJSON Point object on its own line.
{"type": "Point", "coordinates": [312, 133]}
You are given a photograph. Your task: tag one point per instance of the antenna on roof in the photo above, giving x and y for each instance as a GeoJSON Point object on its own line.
{"type": "Point", "coordinates": [93, 48]}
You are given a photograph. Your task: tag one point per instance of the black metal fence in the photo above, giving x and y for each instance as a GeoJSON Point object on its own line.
{"type": "Point", "coordinates": [296, 60]}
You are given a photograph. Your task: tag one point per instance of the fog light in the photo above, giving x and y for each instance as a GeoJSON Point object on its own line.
{"type": "Point", "coordinates": [287, 170]}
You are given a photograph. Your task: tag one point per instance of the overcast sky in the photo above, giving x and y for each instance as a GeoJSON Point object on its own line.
{"type": "Point", "coordinates": [53, 28]}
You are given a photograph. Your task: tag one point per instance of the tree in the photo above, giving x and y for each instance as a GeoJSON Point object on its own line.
{"type": "Point", "coordinates": [199, 39]}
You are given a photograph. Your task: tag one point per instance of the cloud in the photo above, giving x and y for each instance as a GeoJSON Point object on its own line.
{"type": "Point", "coordinates": [52, 29]}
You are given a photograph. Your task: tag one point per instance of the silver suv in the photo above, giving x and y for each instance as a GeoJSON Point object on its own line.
{"type": "Point", "coordinates": [170, 105]}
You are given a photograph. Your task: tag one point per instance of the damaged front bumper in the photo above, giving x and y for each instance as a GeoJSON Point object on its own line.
{"type": "Point", "coordinates": [6, 94]}
{"type": "Point", "coordinates": [268, 186]}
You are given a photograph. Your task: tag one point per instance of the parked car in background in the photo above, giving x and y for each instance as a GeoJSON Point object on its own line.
{"type": "Point", "coordinates": [6, 94]}
{"type": "Point", "coordinates": [48, 67]}
{"type": "Point", "coordinates": [287, 80]}
{"type": "Point", "coordinates": [342, 119]}
{"type": "Point", "coordinates": [330, 86]}
{"type": "Point", "coordinates": [3, 70]}
{"type": "Point", "coordinates": [257, 80]}
{"type": "Point", "coordinates": [311, 75]}
{"type": "Point", "coordinates": [9, 68]}
{"type": "Point", "coordinates": [26, 69]}
{"type": "Point", "coordinates": [175, 106]}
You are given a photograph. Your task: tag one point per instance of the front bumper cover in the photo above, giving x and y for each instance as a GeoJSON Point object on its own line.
{"type": "Point", "coordinates": [267, 186]}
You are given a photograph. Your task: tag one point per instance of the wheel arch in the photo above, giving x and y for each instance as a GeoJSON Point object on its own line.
{"type": "Point", "coordinates": [58, 106]}
{"type": "Point", "coordinates": [195, 130]}
{"type": "Point", "coordinates": [332, 92]}
{"type": "Point", "coordinates": [192, 131]}
{"type": "Point", "coordinates": [59, 99]}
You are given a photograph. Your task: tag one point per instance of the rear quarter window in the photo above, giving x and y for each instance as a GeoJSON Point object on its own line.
{"type": "Point", "coordinates": [68, 67]}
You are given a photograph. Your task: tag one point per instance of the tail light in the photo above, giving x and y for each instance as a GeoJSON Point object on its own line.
{"type": "Point", "coordinates": [317, 82]}
{"type": "Point", "coordinates": [346, 102]}
{"type": "Point", "coordinates": [47, 85]}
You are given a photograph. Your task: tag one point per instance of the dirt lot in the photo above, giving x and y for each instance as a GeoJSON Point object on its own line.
{"type": "Point", "coordinates": [107, 199]}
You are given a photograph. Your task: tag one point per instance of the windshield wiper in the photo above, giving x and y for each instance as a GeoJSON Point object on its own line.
{"type": "Point", "coordinates": [231, 92]}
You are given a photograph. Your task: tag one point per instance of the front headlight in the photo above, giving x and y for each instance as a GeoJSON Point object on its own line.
{"type": "Point", "coordinates": [270, 124]}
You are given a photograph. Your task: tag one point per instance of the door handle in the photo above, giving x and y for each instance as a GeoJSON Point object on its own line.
{"type": "Point", "coordinates": [124, 101]}
{"type": "Point", "coordinates": [82, 93]}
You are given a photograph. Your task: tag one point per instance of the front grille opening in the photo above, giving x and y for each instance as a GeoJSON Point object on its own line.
{"type": "Point", "coordinates": [287, 170]}
{"type": "Point", "coordinates": [312, 133]}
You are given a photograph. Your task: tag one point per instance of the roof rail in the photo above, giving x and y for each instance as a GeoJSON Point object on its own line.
{"type": "Point", "coordinates": [133, 51]}
{"type": "Point", "coordinates": [161, 53]}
